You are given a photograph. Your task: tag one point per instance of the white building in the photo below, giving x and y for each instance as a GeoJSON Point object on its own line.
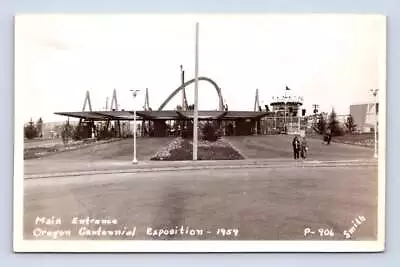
{"type": "Point", "coordinates": [365, 116]}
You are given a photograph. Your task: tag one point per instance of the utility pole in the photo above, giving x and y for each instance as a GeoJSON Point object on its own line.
{"type": "Point", "coordinates": [196, 89]}
{"type": "Point", "coordinates": [315, 108]}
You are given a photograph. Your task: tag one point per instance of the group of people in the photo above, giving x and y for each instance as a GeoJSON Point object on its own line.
{"type": "Point", "coordinates": [299, 147]}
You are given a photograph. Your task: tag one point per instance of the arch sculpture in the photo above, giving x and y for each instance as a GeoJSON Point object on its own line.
{"type": "Point", "coordinates": [221, 101]}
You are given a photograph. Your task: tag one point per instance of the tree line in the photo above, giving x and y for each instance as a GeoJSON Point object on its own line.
{"type": "Point", "coordinates": [34, 130]}
{"type": "Point", "coordinates": [333, 124]}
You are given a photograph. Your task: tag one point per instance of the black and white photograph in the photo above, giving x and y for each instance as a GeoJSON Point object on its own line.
{"type": "Point", "coordinates": [199, 133]}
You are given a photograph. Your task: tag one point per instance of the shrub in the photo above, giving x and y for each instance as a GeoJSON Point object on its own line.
{"type": "Point", "coordinates": [321, 124]}
{"type": "Point", "coordinates": [105, 133]}
{"type": "Point", "coordinates": [82, 132]}
{"type": "Point", "coordinates": [210, 132]}
{"type": "Point", "coordinates": [187, 132]}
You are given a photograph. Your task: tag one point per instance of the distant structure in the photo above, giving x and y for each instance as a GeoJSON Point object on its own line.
{"type": "Point", "coordinates": [257, 102]}
{"type": "Point", "coordinates": [114, 101]}
{"type": "Point", "coordinates": [87, 102]}
{"type": "Point", "coordinates": [146, 106]}
{"type": "Point", "coordinates": [287, 113]}
{"type": "Point", "coordinates": [364, 116]}
{"type": "Point", "coordinates": [287, 105]}
{"type": "Point", "coordinates": [158, 123]}
{"type": "Point", "coordinates": [184, 85]}
{"type": "Point", "coordinates": [184, 98]}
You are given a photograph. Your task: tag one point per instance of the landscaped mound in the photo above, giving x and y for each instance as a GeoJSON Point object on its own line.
{"type": "Point", "coordinates": [182, 149]}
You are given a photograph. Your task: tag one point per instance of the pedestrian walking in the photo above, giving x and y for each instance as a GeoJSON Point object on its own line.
{"type": "Point", "coordinates": [329, 136]}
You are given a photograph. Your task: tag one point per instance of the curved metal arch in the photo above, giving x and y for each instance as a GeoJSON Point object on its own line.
{"type": "Point", "coordinates": [221, 101]}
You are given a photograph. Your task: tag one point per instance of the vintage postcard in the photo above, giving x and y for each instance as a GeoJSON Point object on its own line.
{"type": "Point", "coordinates": [199, 133]}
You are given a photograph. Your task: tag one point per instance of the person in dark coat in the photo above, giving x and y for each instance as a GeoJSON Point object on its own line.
{"type": "Point", "coordinates": [328, 136]}
{"type": "Point", "coordinates": [296, 147]}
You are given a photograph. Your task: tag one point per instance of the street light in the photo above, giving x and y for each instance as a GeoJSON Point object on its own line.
{"type": "Point", "coordinates": [375, 94]}
{"type": "Point", "coordinates": [134, 93]}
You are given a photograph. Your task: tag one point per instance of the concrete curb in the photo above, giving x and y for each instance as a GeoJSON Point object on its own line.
{"type": "Point", "coordinates": [305, 164]}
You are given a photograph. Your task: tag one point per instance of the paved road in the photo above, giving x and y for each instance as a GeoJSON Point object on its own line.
{"type": "Point", "coordinates": [272, 203]}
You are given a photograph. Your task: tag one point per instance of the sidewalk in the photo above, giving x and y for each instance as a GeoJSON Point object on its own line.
{"type": "Point", "coordinates": [110, 167]}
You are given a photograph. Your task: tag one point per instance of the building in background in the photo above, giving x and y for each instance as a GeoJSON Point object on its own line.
{"type": "Point", "coordinates": [288, 115]}
{"type": "Point", "coordinates": [365, 116]}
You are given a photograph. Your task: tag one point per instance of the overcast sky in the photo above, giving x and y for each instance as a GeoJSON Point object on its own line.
{"type": "Point", "coordinates": [330, 60]}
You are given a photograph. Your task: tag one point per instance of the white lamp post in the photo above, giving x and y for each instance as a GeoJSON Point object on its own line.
{"type": "Point", "coordinates": [134, 93]}
{"type": "Point", "coordinates": [375, 94]}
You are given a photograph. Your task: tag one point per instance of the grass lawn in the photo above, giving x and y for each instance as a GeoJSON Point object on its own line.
{"type": "Point", "coordinates": [365, 139]}
{"type": "Point", "coordinates": [182, 149]}
{"type": "Point", "coordinates": [38, 148]}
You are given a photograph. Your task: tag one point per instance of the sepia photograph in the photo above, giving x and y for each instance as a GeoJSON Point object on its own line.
{"type": "Point", "coordinates": [199, 133]}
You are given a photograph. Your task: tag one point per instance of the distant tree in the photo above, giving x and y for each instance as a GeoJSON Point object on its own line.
{"type": "Point", "coordinates": [67, 132]}
{"type": "Point", "coordinates": [350, 125]}
{"type": "Point", "coordinates": [30, 130]}
{"type": "Point", "coordinates": [39, 128]}
{"type": "Point", "coordinates": [178, 107]}
{"type": "Point", "coordinates": [321, 124]}
{"type": "Point", "coordinates": [334, 124]}
{"type": "Point", "coordinates": [191, 107]}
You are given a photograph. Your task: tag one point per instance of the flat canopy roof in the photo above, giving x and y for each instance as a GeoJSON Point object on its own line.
{"type": "Point", "coordinates": [163, 115]}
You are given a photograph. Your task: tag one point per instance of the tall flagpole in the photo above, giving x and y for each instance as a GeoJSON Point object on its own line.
{"type": "Point", "coordinates": [196, 84]}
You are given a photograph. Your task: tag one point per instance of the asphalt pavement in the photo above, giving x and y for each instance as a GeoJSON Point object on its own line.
{"type": "Point", "coordinates": [260, 203]}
